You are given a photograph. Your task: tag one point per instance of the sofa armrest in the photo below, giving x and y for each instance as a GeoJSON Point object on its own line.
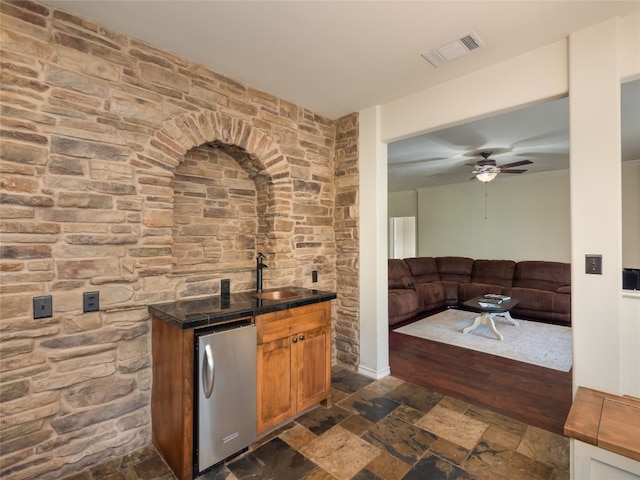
{"type": "Point", "coordinates": [565, 289]}
{"type": "Point", "coordinates": [399, 275]}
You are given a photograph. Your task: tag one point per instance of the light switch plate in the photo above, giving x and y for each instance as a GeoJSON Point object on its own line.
{"type": "Point", "coordinates": [90, 302]}
{"type": "Point", "coordinates": [593, 264]}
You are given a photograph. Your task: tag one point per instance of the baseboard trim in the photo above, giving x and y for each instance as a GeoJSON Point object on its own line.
{"type": "Point", "coordinates": [376, 374]}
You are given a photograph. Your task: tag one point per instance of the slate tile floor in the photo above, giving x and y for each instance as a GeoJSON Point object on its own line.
{"type": "Point", "coordinates": [384, 430]}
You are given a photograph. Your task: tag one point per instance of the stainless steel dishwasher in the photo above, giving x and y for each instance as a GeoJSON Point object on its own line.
{"type": "Point", "coordinates": [225, 373]}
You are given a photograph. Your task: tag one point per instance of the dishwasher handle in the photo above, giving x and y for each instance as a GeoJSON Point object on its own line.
{"type": "Point", "coordinates": [208, 371]}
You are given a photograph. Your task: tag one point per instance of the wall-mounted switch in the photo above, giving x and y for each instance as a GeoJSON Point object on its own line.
{"type": "Point", "coordinates": [593, 264]}
{"type": "Point", "coordinates": [314, 276]}
{"type": "Point", "coordinates": [90, 302]}
{"type": "Point", "coordinates": [225, 287]}
{"type": "Point", "coordinates": [42, 307]}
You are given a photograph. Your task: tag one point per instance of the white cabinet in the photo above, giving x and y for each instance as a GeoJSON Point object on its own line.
{"type": "Point", "coordinates": [593, 463]}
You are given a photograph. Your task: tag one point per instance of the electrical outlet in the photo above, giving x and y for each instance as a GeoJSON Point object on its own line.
{"type": "Point", "coordinates": [90, 302]}
{"type": "Point", "coordinates": [314, 276]}
{"type": "Point", "coordinates": [42, 307]}
{"type": "Point", "coordinates": [593, 264]}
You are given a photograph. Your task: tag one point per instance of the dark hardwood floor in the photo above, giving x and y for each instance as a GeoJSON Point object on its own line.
{"type": "Point", "coordinates": [534, 395]}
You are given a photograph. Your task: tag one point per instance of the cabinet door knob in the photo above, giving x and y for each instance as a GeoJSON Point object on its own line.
{"type": "Point", "coordinates": [301, 337]}
{"type": "Point", "coordinates": [295, 340]}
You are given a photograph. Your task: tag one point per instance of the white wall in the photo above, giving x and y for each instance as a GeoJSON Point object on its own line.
{"type": "Point", "coordinates": [512, 217]}
{"type": "Point", "coordinates": [596, 199]}
{"type": "Point", "coordinates": [536, 76]}
{"type": "Point", "coordinates": [372, 223]}
{"type": "Point", "coordinates": [631, 214]}
{"type": "Point", "coordinates": [403, 204]}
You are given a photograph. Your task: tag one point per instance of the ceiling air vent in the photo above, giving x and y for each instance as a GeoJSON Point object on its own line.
{"type": "Point", "coordinates": [446, 53]}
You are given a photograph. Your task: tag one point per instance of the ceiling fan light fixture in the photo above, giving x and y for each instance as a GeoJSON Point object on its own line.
{"type": "Point", "coordinates": [486, 176]}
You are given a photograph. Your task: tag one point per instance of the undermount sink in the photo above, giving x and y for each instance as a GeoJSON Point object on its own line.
{"type": "Point", "coordinates": [276, 295]}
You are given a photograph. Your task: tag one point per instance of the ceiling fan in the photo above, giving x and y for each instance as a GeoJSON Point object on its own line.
{"type": "Point", "coordinates": [487, 169]}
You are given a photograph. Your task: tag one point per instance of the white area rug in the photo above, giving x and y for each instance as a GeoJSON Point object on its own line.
{"type": "Point", "coordinates": [538, 343]}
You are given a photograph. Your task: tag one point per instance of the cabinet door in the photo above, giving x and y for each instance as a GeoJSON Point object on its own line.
{"type": "Point", "coordinates": [276, 401]}
{"type": "Point", "coordinates": [313, 366]}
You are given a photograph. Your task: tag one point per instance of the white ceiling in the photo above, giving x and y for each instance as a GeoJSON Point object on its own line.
{"type": "Point", "coordinates": [338, 57]}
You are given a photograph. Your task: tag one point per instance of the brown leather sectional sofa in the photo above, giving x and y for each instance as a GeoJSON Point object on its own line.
{"type": "Point", "coordinates": [418, 285]}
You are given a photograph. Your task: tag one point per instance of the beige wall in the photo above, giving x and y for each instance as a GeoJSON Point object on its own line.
{"type": "Point", "coordinates": [515, 218]}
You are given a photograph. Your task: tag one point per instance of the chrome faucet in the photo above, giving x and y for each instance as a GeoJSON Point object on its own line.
{"type": "Point", "coordinates": [259, 267]}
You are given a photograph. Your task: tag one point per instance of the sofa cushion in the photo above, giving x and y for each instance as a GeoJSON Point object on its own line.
{"type": "Point", "coordinates": [493, 272]}
{"type": "Point", "coordinates": [542, 304]}
{"type": "Point", "coordinates": [431, 295]}
{"type": "Point", "coordinates": [423, 269]}
{"type": "Point", "coordinates": [399, 275]}
{"type": "Point", "coordinates": [450, 292]}
{"type": "Point", "coordinates": [455, 269]}
{"type": "Point", "coordinates": [542, 275]}
{"type": "Point", "coordinates": [533, 299]}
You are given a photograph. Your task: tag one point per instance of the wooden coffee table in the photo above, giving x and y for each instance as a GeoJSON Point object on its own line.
{"type": "Point", "coordinates": [488, 311]}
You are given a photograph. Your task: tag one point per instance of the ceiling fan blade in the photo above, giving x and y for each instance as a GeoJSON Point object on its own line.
{"type": "Point", "coordinates": [486, 162]}
{"type": "Point", "coordinates": [516, 164]}
{"type": "Point", "coordinates": [441, 174]}
{"type": "Point", "coordinates": [502, 170]}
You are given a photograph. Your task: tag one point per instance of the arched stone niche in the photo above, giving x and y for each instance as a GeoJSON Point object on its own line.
{"type": "Point", "coordinates": [231, 197]}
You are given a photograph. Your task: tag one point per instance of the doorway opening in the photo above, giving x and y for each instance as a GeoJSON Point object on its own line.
{"type": "Point", "coordinates": [402, 237]}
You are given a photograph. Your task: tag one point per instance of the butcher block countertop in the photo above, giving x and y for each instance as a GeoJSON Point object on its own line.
{"type": "Point", "coordinates": [611, 422]}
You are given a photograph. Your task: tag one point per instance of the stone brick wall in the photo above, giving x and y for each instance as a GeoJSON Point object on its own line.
{"type": "Point", "coordinates": [347, 324]}
{"type": "Point", "coordinates": [99, 136]}
{"type": "Point", "coordinates": [215, 221]}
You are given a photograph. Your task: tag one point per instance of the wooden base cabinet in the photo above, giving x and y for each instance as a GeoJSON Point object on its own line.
{"type": "Point", "coordinates": [294, 362]}
{"type": "Point", "coordinates": [172, 396]}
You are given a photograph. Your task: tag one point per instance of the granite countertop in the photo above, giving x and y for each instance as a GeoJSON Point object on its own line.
{"type": "Point", "coordinates": [205, 311]}
{"type": "Point", "coordinates": [611, 422]}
